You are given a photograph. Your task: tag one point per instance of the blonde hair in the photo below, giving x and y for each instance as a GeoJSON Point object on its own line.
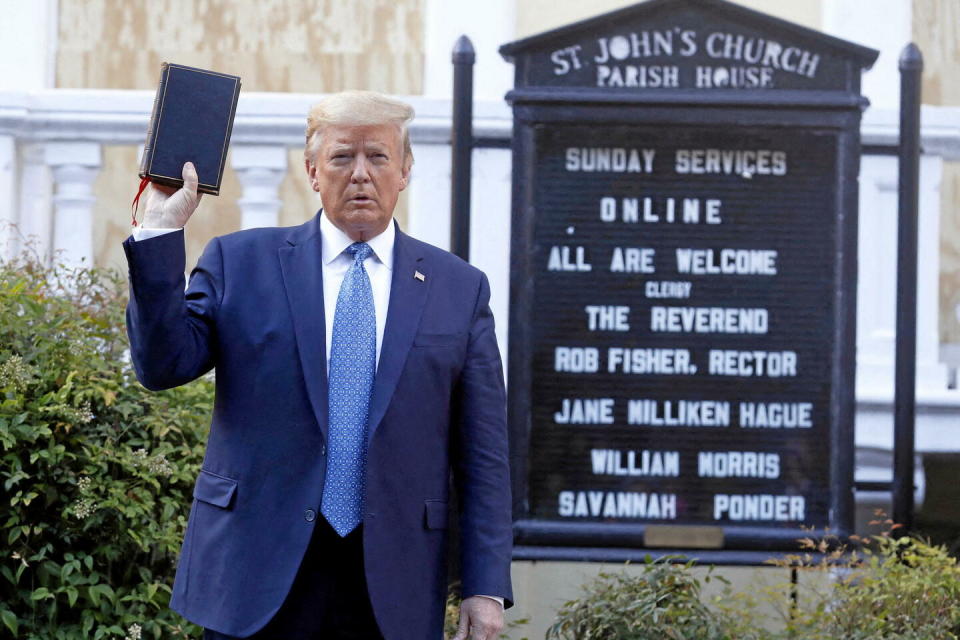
{"type": "Point", "coordinates": [358, 108]}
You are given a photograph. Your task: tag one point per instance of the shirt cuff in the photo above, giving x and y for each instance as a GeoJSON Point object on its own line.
{"type": "Point", "coordinates": [497, 598]}
{"type": "Point", "coordinates": [139, 233]}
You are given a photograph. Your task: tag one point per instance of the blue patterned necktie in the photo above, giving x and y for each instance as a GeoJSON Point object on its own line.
{"type": "Point", "coordinates": [353, 355]}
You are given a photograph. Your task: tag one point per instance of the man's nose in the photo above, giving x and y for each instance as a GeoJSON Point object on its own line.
{"type": "Point", "coordinates": [361, 172]}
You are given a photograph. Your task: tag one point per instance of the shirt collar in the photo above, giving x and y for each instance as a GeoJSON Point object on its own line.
{"type": "Point", "coordinates": [335, 241]}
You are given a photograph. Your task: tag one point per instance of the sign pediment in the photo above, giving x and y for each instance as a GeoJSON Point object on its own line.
{"type": "Point", "coordinates": [698, 45]}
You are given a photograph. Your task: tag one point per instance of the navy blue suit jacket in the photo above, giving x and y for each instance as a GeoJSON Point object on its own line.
{"type": "Point", "coordinates": [254, 310]}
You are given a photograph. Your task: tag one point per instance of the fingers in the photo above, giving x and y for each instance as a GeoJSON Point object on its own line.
{"type": "Point", "coordinates": [190, 178]}
{"type": "Point", "coordinates": [462, 628]}
{"type": "Point", "coordinates": [161, 188]}
{"type": "Point", "coordinates": [480, 619]}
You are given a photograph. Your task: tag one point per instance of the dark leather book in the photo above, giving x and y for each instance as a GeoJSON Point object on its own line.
{"type": "Point", "coordinates": [192, 120]}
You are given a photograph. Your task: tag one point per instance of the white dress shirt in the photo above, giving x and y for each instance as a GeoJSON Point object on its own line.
{"type": "Point", "coordinates": [336, 262]}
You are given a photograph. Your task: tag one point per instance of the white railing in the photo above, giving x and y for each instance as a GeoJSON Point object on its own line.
{"type": "Point", "coordinates": [50, 154]}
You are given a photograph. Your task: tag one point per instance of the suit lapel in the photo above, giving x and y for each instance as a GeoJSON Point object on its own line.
{"type": "Point", "coordinates": [407, 297]}
{"type": "Point", "coordinates": [302, 267]}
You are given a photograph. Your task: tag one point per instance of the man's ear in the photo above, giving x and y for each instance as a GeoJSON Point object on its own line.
{"type": "Point", "coordinates": [311, 174]}
{"type": "Point", "coordinates": [405, 179]}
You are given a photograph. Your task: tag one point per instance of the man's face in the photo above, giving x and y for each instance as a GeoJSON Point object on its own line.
{"type": "Point", "coordinates": [358, 172]}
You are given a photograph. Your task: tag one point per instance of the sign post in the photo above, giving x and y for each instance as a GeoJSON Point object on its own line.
{"type": "Point", "coordinates": [682, 323]}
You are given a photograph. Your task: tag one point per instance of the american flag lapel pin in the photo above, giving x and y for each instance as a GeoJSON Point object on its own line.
{"type": "Point", "coordinates": [419, 276]}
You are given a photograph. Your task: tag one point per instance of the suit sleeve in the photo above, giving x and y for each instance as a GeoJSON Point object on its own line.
{"type": "Point", "coordinates": [172, 333]}
{"type": "Point", "coordinates": [481, 467]}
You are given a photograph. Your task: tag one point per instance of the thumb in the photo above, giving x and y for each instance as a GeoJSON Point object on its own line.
{"type": "Point", "coordinates": [462, 627]}
{"type": "Point", "coordinates": [190, 178]}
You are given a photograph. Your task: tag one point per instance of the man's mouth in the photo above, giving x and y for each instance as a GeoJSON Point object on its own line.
{"type": "Point", "coordinates": [361, 198]}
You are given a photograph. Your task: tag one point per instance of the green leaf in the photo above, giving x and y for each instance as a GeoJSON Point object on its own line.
{"type": "Point", "coordinates": [72, 595]}
{"type": "Point", "coordinates": [41, 593]}
{"type": "Point", "coordinates": [10, 621]}
{"type": "Point", "coordinates": [94, 594]}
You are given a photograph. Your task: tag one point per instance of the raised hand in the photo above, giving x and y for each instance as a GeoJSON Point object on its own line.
{"type": "Point", "coordinates": [170, 208]}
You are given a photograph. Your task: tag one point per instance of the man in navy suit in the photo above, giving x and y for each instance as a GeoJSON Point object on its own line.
{"type": "Point", "coordinates": [356, 368]}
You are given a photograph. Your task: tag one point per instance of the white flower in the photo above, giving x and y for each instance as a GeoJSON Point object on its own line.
{"type": "Point", "coordinates": [84, 508]}
{"type": "Point", "coordinates": [133, 632]}
{"type": "Point", "coordinates": [14, 373]}
{"type": "Point", "coordinates": [83, 414]}
{"type": "Point", "coordinates": [157, 465]}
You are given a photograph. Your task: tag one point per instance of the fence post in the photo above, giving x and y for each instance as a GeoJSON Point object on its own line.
{"type": "Point", "coordinates": [904, 444]}
{"type": "Point", "coordinates": [461, 147]}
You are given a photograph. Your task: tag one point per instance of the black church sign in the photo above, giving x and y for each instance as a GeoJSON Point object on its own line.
{"type": "Point", "coordinates": [683, 281]}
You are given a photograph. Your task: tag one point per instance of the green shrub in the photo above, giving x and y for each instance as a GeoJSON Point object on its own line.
{"type": "Point", "coordinates": [888, 588]}
{"type": "Point", "coordinates": [96, 470]}
{"type": "Point", "coordinates": [660, 603]}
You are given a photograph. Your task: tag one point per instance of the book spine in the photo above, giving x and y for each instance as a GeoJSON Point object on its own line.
{"type": "Point", "coordinates": [154, 116]}
{"type": "Point", "coordinates": [226, 143]}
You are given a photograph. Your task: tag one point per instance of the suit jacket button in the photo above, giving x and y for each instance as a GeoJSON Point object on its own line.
{"type": "Point", "coordinates": [309, 515]}
{"type": "Point", "coordinates": [323, 449]}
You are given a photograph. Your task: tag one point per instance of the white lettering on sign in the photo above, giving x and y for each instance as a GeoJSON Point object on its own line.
{"type": "Point", "coordinates": [742, 61]}
{"type": "Point", "coordinates": [667, 289]}
{"type": "Point", "coordinates": [645, 44]}
{"type": "Point", "coordinates": [617, 504]}
{"type": "Point", "coordinates": [771, 364]}
{"type": "Point", "coordinates": [738, 464]}
{"type": "Point", "coordinates": [769, 53]}
{"type": "Point", "coordinates": [759, 507]}
{"type": "Point", "coordinates": [671, 210]}
{"type": "Point", "coordinates": [643, 76]}
{"type": "Point", "coordinates": [655, 361]}
{"type": "Point", "coordinates": [585, 411]}
{"type": "Point", "coordinates": [563, 258]}
{"type": "Point", "coordinates": [678, 413]}
{"type": "Point", "coordinates": [740, 262]}
{"type": "Point", "coordinates": [776, 415]}
{"type": "Point", "coordinates": [566, 59]}
{"type": "Point", "coordinates": [736, 162]}
{"type": "Point", "coordinates": [612, 159]}
{"type": "Point", "coordinates": [733, 77]}
{"type": "Point", "coordinates": [632, 260]}
{"type": "Point", "coordinates": [614, 462]}
{"type": "Point", "coordinates": [607, 318]}
{"type": "Point", "coordinates": [708, 320]}
{"type": "Point", "coordinates": [576, 359]}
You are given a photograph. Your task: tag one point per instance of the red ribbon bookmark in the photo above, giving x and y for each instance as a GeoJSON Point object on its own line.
{"type": "Point", "coordinates": [136, 201]}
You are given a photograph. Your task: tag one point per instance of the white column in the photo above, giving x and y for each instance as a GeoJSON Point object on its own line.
{"type": "Point", "coordinates": [35, 224]}
{"type": "Point", "coordinates": [490, 217]}
{"type": "Point", "coordinates": [877, 281]}
{"type": "Point", "coordinates": [28, 44]}
{"type": "Point", "coordinates": [260, 169]}
{"type": "Point", "coordinates": [880, 24]}
{"type": "Point", "coordinates": [429, 201]}
{"type": "Point", "coordinates": [75, 166]}
{"type": "Point", "coordinates": [8, 196]}
{"type": "Point", "coordinates": [488, 24]}
{"type": "Point", "coordinates": [931, 373]}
